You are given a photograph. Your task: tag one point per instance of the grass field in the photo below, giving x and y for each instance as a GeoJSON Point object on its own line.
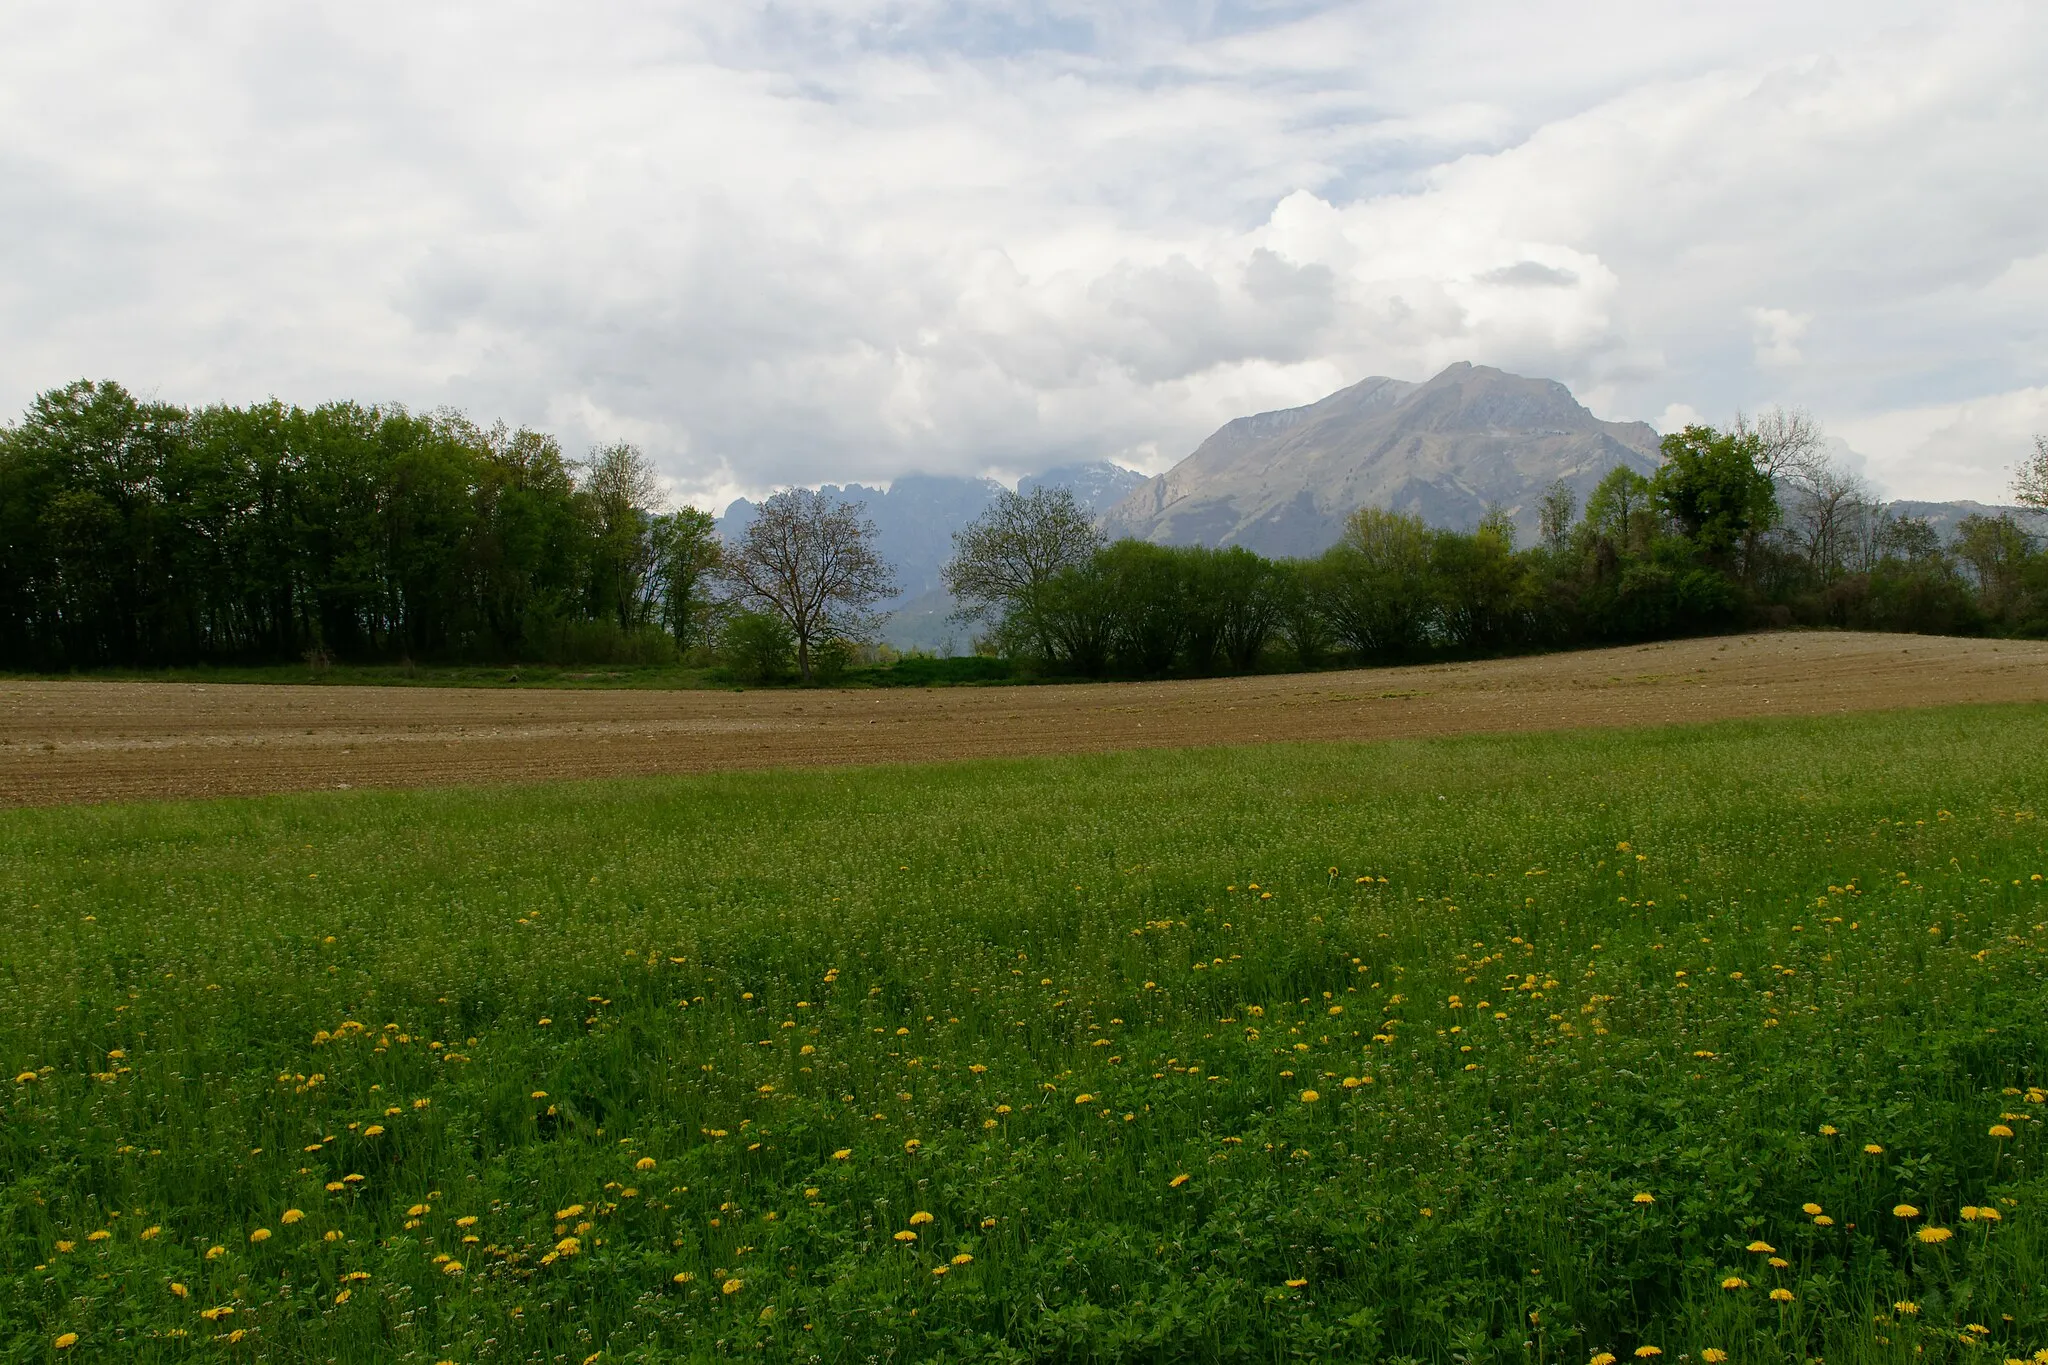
{"type": "Point", "coordinates": [1539, 1048]}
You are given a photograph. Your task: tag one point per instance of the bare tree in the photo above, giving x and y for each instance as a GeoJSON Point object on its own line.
{"type": "Point", "coordinates": [1828, 506]}
{"type": "Point", "coordinates": [1555, 514]}
{"type": "Point", "coordinates": [810, 560]}
{"type": "Point", "coordinates": [2030, 480]}
{"type": "Point", "coordinates": [1789, 442]}
{"type": "Point", "coordinates": [1005, 559]}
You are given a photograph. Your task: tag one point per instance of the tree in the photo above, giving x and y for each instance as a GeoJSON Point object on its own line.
{"type": "Point", "coordinates": [1711, 488]}
{"type": "Point", "coordinates": [811, 561]}
{"type": "Point", "coordinates": [1620, 510]}
{"type": "Point", "coordinates": [1005, 560]}
{"type": "Point", "coordinates": [1997, 550]}
{"type": "Point", "coordinates": [2030, 480]}
{"type": "Point", "coordinates": [686, 555]}
{"type": "Point", "coordinates": [1554, 516]}
{"type": "Point", "coordinates": [621, 496]}
{"type": "Point", "coordinates": [1378, 589]}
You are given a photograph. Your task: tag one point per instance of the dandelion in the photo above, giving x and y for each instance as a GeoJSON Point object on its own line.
{"type": "Point", "coordinates": [569, 1246]}
{"type": "Point", "coordinates": [374, 1130]}
{"type": "Point", "coordinates": [842, 1154]}
{"type": "Point", "coordinates": [645, 1163]}
{"type": "Point", "coordinates": [920, 1218]}
{"type": "Point", "coordinates": [1782, 1295]}
{"type": "Point", "coordinates": [1644, 1197]}
{"type": "Point", "coordinates": [1873, 1148]}
{"type": "Point", "coordinates": [65, 1341]}
{"type": "Point", "coordinates": [1296, 1284]}
{"type": "Point", "coordinates": [683, 1277]}
{"type": "Point", "coordinates": [1906, 1307]}
{"type": "Point", "coordinates": [1602, 1358]}
{"type": "Point", "coordinates": [1713, 1355]}
{"type": "Point", "coordinates": [1809, 1208]}
{"type": "Point", "coordinates": [149, 1234]}
{"type": "Point", "coordinates": [1826, 1129]}
{"type": "Point", "coordinates": [468, 1220]}
{"type": "Point", "coordinates": [1309, 1097]}
{"type": "Point", "coordinates": [1821, 1220]}
{"type": "Point", "coordinates": [260, 1235]}
{"type": "Point", "coordinates": [290, 1216]}
{"type": "Point", "coordinates": [1177, 1181]}
{"type": "Point", "coordinates": [180, 1291]}
{"type": "Point", "coordinates": [1084, 1099]}
{"type": "Point", "coordinates": [963, 1259]}
{"type": "Point", "coordinates": [1933, 1235]}
{"type": "Point", "coordinates": [98, 1235]}
{"type": "Point", "coordinates": [1999, 1130]}
{"type": "Point", "coordinates": [1735, 1282]}
{"type": "Point", "coordinates": [906, 1236]}
{"type": "Point", "coordinates": [1762, 1248]}
{"type": "Point", "coordinates": [1645, 1352]}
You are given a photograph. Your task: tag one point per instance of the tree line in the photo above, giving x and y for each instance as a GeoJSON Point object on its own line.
{"type": "Point", "coordinates": [142, 534]}
{"type": "Point", "coordinates": [1750, 526]}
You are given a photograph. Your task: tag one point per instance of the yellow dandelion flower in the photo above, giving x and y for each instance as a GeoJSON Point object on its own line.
{"type": "Point", "coordinates": [963, 1259]}
{"type": "Point", "coordinates": [1177, 1181]}
{"type": "Point", "coordinates": [1990, 1215]}
{"type": "Point", "coordinates": [683, 1277]}
{"type": "Point", "coordinates": [1644, 1197]}
{"type": "Point", "coordinates": [939, 1270]}
{"type": "Point", "coordinates": [335, 1187]}
{"type": "Point", "coordinates": [1735, 1282]}
{"type": "Point", "coordinates": [468, 1220]}
{"type": "Point", "coordinates": [149, 1234]}
{"type": "Point", "coordinates": [1873, 1148]}
{"type": "Point", "coordinates": [569, 1246]}
{"type": "Point", "coordinates": [1809, 1208]}
{"type": "Point", "coordinates": [65, 1341]}
{"type": "Point", "coordinates": [260, 1235]}
{"type": "Point", "coordinates": [1084, 1099]}
{"type": "Point", "coordinates": [1646, 1352]}
{"type": "Point", "coordinates": [1821, 1220]}
{"type": "Point", "coordinates": [1602, 1358]}
{"type": "Point", "coordinates": [1782, 1295]}
{"type": "Point", "coordinates": [920, 1218]}
{"type": "Point", "coordinates": [374, 1130]}
{"type": "Point", "coordinates": [290, 1216]}
{"type": "Point", "coordinates": [99, 1235]}
{"type": "Point", "coordinates": [1932, 1235]}
{"type": "Point", "coordinates": [1999, 1130]}
{"type": "Point", "coordinates": [906, 1236]}
{"type": "Point", "coordinates": [842, 1154]}
{"type": "Point", "coordinates": [180, 1290]}
{"type": "Point", "coordinates": [214, 1253]}
{"type": "Point", "coordinates": [645, 1163]}
{"type": "Point", "coordinates": [1713, 1355]}
{"type": "Point", "coordinates": [1829, 1129]}
{"type": "Point", "coordinates": [1764, 1248]}
{"type": "Point", "coordinates": [421, 1210]}
{"type": "Point", "coordinates": [1296, 1284]}
{"type": "Point", "coordinates": [1906, 1307]}
{"type": "Point", "coordinates": [731, 1287]}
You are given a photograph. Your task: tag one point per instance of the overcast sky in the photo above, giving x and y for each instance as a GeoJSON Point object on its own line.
{"type": "Point", "coordinates": [845, 239]}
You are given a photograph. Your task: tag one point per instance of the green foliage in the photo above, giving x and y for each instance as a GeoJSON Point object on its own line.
{"type": "Point", "coordinates": [758, 646]}
{"type": "Point", "coordinates": [1738, 969]}
{"type": "Point", "coordinates": [1711, 488]}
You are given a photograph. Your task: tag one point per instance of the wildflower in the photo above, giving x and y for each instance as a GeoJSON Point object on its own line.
{"type": "Point", "coordinates": [180, 1290]}
{"type": "Point", "coordinates": [468, 1220]}
{"type": "Point", "coordinates": [216, 1314]}
{"type": "Point", "coordinates": [67, 1246]}
{"type": "Point", "coordinates": [540, 1094]}
{"type": "Point", "coordinates": [564, 1215]}
{"type": "Point", "coordinates": [1906, 1307]}
{"type": "Point", "coordinates": [374, 1130]}
{"type": "Point", "coordinates": [911, 1145]}
{"type": "Point", "coordinates": [260, 1235]}
{"type": "Point", "coordinates": [1905, 1211]}
{"type": "Point", "coordinates": [906, 1236]}
{"type": "Point", "coordinates": [1735, 1282]}
{"type": "Point", "coordinates": [1765, 1248]}
{"type": "Point", "coordinates": [1821, 1220]}
{"type": "Point", "coordinates": [1999, 1130]}
{"type": "Point", "coordinates": [1713, 1355]}
{"type": "Point", "coordinates": [1296, 1284]}
{"type": "Point", "coordinates": [731, 1287]}
{"type": "Point", "coordinates": [645, 1163]}
{"type": "Point", "coordinates": [1782, 1295]}
{"type": "Point", "coordinates": [920, 1218]}
{"type": "Point", "coordinates": [98, 1235]}
{"type": "Point", "coordinates": [1873, 1148]}
{"type": "Point", "coordinates": [1779, 1263]}
{"type": "Point", "coordinates": [1809, 1208]}
{"type": "Point", "coordinates": [569, 1246]}
{"type": "Point", "coordinates": [335, 1186]}
{"type": "Point", "coordinates": [290, 1216]}
{"type": "Point", "coordinates": [65, 1341]}
{"type": "Point", "coordinates": [683, 1277]}
{"type": "Point", "coordinates": [1084, 1099]}
{"type": "Point", "coordinates": [420, 1210]}
{"type": "Point", "coordinates": [1933, 1235]}
{"type": "Point", "coordinates": [452, 1268]}
{"type": "Point", "coordinates": [1309, 1097]}
{"type": "Point", "coordinates": [1645, 1352]}
{"type": "Point", "coordinates": [1602, 1358]}
{"type": "Point", "coordinates": [940, 1270]}
{"type": "Point", "coordinates": [1644, 1197]}
{"type": "Point", "coordinates": [842, 1154]}
{"type": "Point", "coordinates": [149, 1234]}
{"type": "Point", "coordinates": [963, 1259]}
{"type": "Point", "coordinates": [1177, 1181]}
{"type": "Point", "coordinates": [1829, 1130]}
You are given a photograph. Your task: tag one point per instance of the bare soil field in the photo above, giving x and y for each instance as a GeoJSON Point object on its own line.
{"type": "Point", "coordinates": [65, 742]}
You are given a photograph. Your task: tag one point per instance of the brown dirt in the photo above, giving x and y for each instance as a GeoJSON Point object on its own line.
{"type": "Point", "coordinates": [114, 741]}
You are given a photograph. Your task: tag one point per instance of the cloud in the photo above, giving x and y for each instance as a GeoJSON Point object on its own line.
{"type": "Point", "coordinates": [843, 240]}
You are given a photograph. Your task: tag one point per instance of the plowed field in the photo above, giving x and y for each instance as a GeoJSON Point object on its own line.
{"type": "Point", "coordinates": [64, 742]}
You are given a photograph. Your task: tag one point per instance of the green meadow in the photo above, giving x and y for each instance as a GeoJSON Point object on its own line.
{"type": "Point", "coordinates": [1719, 1043]}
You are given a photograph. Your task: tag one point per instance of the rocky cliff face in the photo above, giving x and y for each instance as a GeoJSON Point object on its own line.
{"type": "Point", "coordinates": [1282, 483]}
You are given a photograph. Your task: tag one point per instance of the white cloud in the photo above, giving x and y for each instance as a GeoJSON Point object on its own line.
{"type": "Point", "coordinates": [843, 240]}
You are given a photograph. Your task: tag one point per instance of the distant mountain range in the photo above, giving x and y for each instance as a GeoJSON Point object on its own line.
{"type": "Point", "coordinates": [1282, 483]}
{"type": "Point", "coordinates": [1473, 438]}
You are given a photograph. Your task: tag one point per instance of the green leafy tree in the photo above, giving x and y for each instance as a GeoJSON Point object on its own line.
{"type": "Point", "coordinates": [1005, 561]}
{"type": "Point", "coordinates": [1712, 489]}
{"type": "Point", "coordinates": [1378, 591]}
{"type": "Point", "coordinates": [686, 559]}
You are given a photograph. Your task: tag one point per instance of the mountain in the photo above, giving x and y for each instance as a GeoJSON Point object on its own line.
{"type": "Point", "coordinates": [915, 518]}
{"type": "Point", "coordinates": [1943, 516]}
{"type": "Point", "coordinates": [1282, 483]}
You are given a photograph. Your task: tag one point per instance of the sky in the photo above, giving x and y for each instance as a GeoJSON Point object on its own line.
{"type": "Point", "coordinates": [832, 240]}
